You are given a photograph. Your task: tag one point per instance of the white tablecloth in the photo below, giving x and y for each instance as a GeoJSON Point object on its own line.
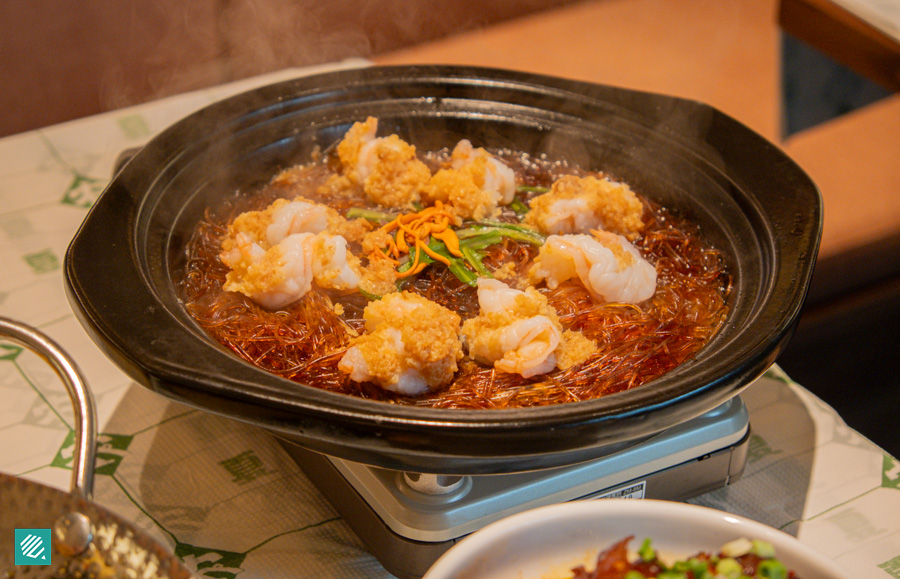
{"type": "Point", "coordinates": [226, 498]}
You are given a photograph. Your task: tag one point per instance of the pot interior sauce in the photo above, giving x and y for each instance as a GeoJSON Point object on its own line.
{"type": "Point", "coordinates": [466, 351]}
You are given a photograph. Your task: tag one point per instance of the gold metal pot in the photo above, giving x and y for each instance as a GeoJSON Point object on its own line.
{"type": "Point", "coordinates": [85, 540]}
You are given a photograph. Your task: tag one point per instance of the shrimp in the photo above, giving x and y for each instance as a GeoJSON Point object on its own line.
{"type": "Point", "coordinates": [610, 267]}
{"type": "Point", "coordinates": [475, 184]}
{"type": "Point", "coordinates": [298, 216]}
{"type": "Point", "coordinates": [498, 176]}
{"type": "Point", "coordinates": [386, 168]}
{"type": "Point", "coordinates": [516, 331]}
{"type": "Point", "coordinates": [275, 277]}
{"type": "Point", "coordinates": [579, 204]}
{"type": "Point", "coordinates": [411, 345]}
{"type": "Point", "coordinates": [528, 346]}
{"type": "Point", "coordinates": [333, 266]}
{"type": "Point", "coordinates": [275, 254]}
{"type": "Point", "coordinates": [284, 273]}
{"type": "Point", "coordinates": [284, 217]}
{"type": "Point", "coordinates": [495, 297]}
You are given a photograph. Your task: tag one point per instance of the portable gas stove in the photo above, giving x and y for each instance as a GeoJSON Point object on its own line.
{"type": "Point", "coordinates": [407, 520]}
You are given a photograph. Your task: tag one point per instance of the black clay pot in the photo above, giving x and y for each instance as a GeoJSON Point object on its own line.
{"type": "Point", "coordinates": [751, 201]}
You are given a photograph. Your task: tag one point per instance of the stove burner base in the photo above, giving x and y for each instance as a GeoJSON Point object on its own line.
{"type": "Point", "coordinates": [407, 530]}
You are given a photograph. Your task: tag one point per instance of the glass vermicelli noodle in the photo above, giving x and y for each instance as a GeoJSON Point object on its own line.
{"type": "Point", "coordinates": [459, 281]}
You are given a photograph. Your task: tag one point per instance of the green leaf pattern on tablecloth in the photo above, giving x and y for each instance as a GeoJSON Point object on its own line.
{"type": "Point", "coordinates": [211, 562]}
{"type": "Point", "coordinates": [16, 227]}
{"type": "Point", "coordinates": [134, 126]}
{"type": "Point", "coordinates": [758, 449]}
{"type": "Point", "coordinates": [892, 567]}
{"type": "Point", "coordinates": [9, 352]}
{"type": "Point", "coordinates": [44, 261]}
{"type": "Point", "coordinates": [891, 477]}
{"type": "Point", "coordinates": [245, 467]}
{"type": "Point", "coordinates": [110, 449]}
{"type": "Point", "coordinates": [83, 191]}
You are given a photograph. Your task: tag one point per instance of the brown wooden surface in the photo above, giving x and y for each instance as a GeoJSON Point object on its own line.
{"type": "Point", "coordinates": [845, 37]}
{"type": "Point", "coordinates": [855, 161]}
{"type": "Point", "coordinates": [722, 53]}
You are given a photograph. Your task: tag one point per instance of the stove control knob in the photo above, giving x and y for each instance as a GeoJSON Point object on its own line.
{"type": "Point", "coordinates": [433, 484]}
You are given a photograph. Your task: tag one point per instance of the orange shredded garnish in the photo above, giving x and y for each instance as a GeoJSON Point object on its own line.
{"type": "Point", "coordinates": [435, 256]}
{"type": "Point", "coordinates": [448, 236]}
{"type": "Point", "coordinates": [413, 231]}
{"type": "Point", "coordinates": [415, 265]}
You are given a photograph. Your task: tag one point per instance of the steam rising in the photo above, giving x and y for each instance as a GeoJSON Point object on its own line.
{"type": "Point", "coordinates": [169, 46]}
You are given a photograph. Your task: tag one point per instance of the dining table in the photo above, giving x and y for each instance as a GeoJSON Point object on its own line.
{"type": "Point", "coordinates": [226, 498]}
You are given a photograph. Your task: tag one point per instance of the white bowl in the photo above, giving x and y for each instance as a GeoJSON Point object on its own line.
{"type": "Point", "coordinates": [547, 542]}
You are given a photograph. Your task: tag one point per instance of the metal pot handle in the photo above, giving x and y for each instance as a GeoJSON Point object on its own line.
{"type": "Point", "coordinates": [82, 400]}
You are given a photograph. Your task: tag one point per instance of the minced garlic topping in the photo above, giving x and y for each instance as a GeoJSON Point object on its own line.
{"type": "Point", "coordinates": [253, 276]}
{"type": "Point", "coordinates": [613, 206]}
{"type": "Point", "coordinates": [406, 331]}
{"type": "Point", "coordinates": [386, 167]}
{"type": "Point", "coordinates": [464, 190]}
